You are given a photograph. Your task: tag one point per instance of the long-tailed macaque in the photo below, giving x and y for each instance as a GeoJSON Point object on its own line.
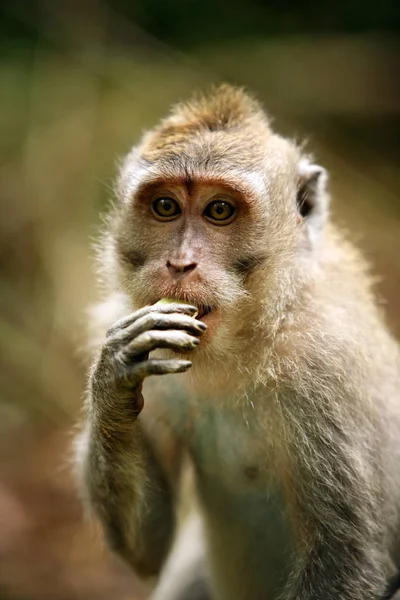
{"type": "Point", "coordinates": [264, 462]}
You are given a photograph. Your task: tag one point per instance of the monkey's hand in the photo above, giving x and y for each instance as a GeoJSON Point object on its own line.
{"type": "Point", "coordinates": [124, 360]}
{"type": "Point", "coordinates": [124, 482]}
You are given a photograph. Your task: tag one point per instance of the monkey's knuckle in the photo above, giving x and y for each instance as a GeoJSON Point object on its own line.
{"type": "Point", "coordinates": [153, 320]}
{"type": "Point", "coordinates": [111, 344]}
{"type": "Point", "coordinates": [161, 322]}
{"type": "Point", "coordinates": [145, 338]}
{"type": "Point", "coordinates": [113, 330]}
{"type": "Point", "coordinates": [110, 332]}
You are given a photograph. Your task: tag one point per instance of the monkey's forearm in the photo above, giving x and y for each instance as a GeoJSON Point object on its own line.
{"type": "Point", "coordinates": [129, 493]}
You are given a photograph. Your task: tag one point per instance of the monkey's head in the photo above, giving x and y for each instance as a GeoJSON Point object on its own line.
{"type": "Point", "coordinates": [216, 209]}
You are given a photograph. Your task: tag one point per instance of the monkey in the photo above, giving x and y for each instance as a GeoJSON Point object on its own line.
{"type": "Point", "coordinates": [264, 460]}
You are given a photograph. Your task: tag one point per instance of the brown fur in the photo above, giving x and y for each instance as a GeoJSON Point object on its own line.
{"type": "Point", "coordinates": [291, 410]}
{"type": "Point", "coordinates": [229, 111]}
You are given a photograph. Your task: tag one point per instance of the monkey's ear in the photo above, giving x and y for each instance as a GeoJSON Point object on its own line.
{"type": "Point", "coordinates": [312, 199]}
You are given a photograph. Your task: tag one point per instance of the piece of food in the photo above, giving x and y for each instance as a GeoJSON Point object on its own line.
{"type": "Point", "coordinates": [174, 300]}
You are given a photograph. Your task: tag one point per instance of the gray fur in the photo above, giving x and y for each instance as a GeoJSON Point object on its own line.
{"type": "Point", "coordinates": [288, 412]}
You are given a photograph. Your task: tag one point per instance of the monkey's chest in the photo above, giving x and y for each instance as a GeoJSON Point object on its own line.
{"type": "Point", "coordinates": [247, 521]}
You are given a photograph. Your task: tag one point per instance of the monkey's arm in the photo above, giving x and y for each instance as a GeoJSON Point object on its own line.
{"type": "Point", "coordinates": [129, 493]}
{"type": "Point", "coordinates": [337, 495]}
{"type": "Point", "coordinates": [124, 482]}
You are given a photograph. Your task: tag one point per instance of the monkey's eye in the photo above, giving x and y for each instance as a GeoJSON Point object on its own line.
{"type": "Point", "coordinates": [166, 209]}
{"type": "Point", "coordinates": [220, 212]}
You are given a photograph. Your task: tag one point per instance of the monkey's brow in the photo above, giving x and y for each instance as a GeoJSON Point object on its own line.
{"type": "Point", "coordinates": [237, 187]}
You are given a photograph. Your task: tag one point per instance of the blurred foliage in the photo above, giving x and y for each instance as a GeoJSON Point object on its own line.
{"type": "Point", "coordinates": [79, 83]}
{"type": "Point", "coordinates": [188, 23]}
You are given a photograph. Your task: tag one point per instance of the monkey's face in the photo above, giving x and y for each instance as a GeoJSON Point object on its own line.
{"type": "Point", "coordinates": [186, 242]}
{"type": "Point", "coordinates": [224, 239]}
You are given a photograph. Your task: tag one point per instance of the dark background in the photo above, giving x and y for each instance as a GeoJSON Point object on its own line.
{"type": "Point", "coordinates": [79, 83]}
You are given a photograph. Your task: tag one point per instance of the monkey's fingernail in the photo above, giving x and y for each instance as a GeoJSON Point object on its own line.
{"type": "Point", "coordinates": [202, 326]}
{"type": "Point", "coordinates": [193, 310]}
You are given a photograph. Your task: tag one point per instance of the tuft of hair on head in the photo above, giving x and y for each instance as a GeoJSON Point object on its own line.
{"type": "Point", "coordinates": [223, 108]}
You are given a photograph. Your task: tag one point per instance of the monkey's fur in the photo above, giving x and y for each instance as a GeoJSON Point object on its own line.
{"type": "Point", "coordinates": [288, 416]}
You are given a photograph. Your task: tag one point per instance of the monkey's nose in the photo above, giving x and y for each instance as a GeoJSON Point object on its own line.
{"type": "Point", "coordinates": [180, 269]}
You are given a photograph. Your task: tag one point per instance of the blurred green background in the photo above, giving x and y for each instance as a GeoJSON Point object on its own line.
{"type": "Point", "coordinates": [79, 83]}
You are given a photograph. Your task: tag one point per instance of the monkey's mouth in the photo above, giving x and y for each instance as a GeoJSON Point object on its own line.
{"type": "Point", "coordinates": [204, 311]}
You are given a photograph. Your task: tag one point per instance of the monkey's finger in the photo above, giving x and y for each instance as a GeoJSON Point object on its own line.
{"type": "Point", "coordinates": [156, 320]}
{"type": "Point", "coordinates": [173, 307]}
{"type": "Point", "coordinates": [150, 340]}
{"type": "Point", "coordinates": [124, 322]}
{"type": "Point", "coordinates": [155, 366]}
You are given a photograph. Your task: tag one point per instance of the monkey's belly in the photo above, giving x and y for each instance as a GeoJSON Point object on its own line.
{"type": "Point", "coordinates": [248, 529]}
